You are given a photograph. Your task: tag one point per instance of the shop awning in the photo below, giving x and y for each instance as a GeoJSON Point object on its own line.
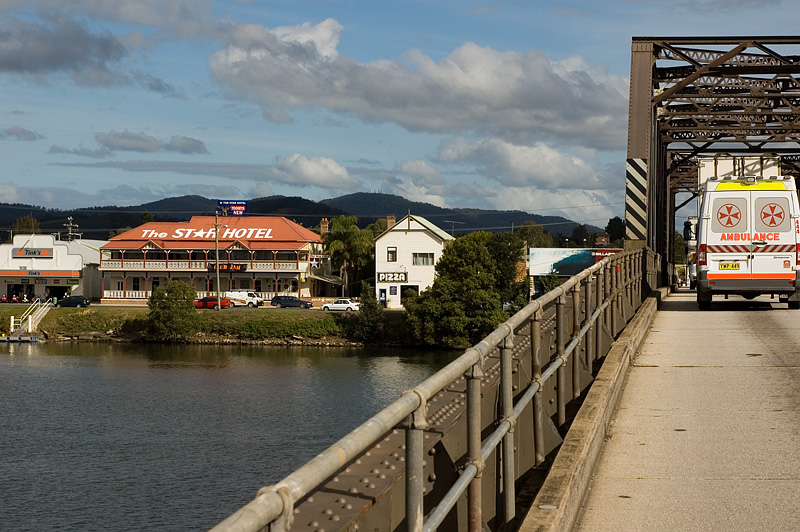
{"type": "Point", "coordinates": [330, 279]}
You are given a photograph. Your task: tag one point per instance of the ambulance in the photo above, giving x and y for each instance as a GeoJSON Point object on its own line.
{"type": "Point", "coordinates": [747, 239]}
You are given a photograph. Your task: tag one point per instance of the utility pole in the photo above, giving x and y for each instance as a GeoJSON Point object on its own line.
{"type": "Point", "coordinates": [452, 225]}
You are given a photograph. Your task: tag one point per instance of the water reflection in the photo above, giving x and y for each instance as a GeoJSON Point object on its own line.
{"type": "Point", "coordinates": [131, 437]}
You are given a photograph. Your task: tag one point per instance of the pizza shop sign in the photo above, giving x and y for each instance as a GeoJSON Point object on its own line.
{"type": "Point", "coordinates": [189, 233]}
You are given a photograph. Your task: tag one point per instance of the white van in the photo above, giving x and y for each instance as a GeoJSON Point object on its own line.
{"type": "Point", "coordinates": [241, 299]}
{"type": "Point", "coordinates": [747, 239]}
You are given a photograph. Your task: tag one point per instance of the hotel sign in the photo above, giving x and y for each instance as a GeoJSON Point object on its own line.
{"type": "Point", "coordinates": [190, 233]}
{"type": "Point", "coordinates": [228, 267]}
{"type": "Point", "coordinates": [32, 253]}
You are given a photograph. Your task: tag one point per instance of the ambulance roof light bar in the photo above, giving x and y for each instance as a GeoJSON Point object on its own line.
{"type": "Point", "coordinates": [749, 178]}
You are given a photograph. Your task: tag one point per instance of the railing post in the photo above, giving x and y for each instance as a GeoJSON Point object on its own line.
{"type": "Point", "coordinates": [507, 390]}
{"type": "Point", "coordinates": [587, 311]}
{"type": "Point", "coordinates": [561, 371]}
{"type": "Point", "coordinates": [417, 423]}
{"type": "Point", "coordinates": [614, 297]}
{"type": "Point", "coordinates": [576, 331]}
{"type": "Point", "coordinates": [475, 509]}
{"type": "Point", "coordinates": [538, 411]}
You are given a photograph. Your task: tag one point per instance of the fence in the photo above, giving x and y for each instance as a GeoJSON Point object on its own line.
{"type": "Point", "coordinates": [519, 379]}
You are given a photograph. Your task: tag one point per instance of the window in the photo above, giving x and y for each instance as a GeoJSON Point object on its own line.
{"type": "Point", "coordinates": [391, 254]}
{"type": "Point", "coordinates": [423, 259]}
{"type": "Point", "coordinates": [134, 283]}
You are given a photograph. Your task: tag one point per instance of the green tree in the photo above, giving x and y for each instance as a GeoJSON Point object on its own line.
{"type": "Point", "coordinates": [172, 314]}
{"type": "Point", "coordinates": [679, 256]}
{"type": "Point", "coordinates": [549, 282]}
{"type": "Point", "coordinates": [464, 302]}
{"type": "Point", "coordinates": [616, 230]}
{"type": "Point", "coordinates": [534, 235]}
{"type": "Point", "coordinates": [351, 248]}
{"type": "Point", "coordinates": [146, 217]}
{"type": "Point", "coordinates": [581, 236]}
{"type": "Point", "coordinates": [369, 320]}
{"type": "Point", "coordinates": [27, 225]}
{"type": "Point", "coordinates": [119, 231]}
{"type": "Point", "coordinates": [507, 250]}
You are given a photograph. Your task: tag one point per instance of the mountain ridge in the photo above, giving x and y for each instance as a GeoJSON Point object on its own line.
{"type": "Point", "coordinates": [99, 221]}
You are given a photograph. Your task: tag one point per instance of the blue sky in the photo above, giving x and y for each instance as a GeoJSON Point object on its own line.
{"type": "Point", "coordinates": [505, 105]}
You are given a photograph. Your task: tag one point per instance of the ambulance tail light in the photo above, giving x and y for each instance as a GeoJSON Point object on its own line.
{"type": "Point", "coordinates": [797, 255]}
{"type": "Point", "coordinates": [701, 255]}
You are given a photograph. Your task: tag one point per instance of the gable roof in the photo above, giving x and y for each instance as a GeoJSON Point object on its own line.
{"type": "Point", "coordinates": [198, 233]}
{"type": "Point", "coordinates": [425, 223]}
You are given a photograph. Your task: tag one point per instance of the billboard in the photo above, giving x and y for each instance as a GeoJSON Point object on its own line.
{"type": "Point", "coordinates": [232, 207]}
{"type": "Point", "coordinates": [565, 262]}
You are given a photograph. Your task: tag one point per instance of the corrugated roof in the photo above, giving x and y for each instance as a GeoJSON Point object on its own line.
{"type": "Point", "coordinates": [198, 233]}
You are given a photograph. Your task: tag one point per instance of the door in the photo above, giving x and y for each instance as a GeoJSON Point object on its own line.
{"type": "Point", "coordinates": [728, 241]}
{"type": "Point", "coordinates": [773, 239]}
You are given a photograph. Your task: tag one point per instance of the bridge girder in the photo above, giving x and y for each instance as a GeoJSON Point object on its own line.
{"type": "Point", "coordinates": [699, 96]}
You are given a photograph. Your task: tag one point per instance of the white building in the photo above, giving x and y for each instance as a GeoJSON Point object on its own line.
{"type": "Point", "coordinates": [40, 266]}
{"type": "Point", "coordinates": [405, 255]}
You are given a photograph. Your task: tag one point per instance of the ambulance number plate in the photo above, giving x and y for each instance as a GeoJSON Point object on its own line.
{"type": "Point", "coordinates": [728, 265]}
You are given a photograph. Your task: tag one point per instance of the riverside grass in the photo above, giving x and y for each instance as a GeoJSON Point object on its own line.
{"type": "Point", "coordinates": [130, 322]}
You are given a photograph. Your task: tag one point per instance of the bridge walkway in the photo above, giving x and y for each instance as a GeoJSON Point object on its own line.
{"type": "Point", "coordinates": [707, 431]}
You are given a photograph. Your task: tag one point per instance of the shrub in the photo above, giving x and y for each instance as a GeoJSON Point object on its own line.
{"type": "Point", "coordinates": [172, 314]}
{"type": "Point", "coordinates": [369, 320]}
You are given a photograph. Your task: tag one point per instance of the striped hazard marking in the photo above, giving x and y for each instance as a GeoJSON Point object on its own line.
{"type": "Point", "coordinates": [636, 199]}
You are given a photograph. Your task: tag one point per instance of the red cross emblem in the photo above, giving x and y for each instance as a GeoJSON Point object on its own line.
{"type": "Point", "coordinates": [772, 215]}
{"type": "Point", "coordinates": [729, 215]}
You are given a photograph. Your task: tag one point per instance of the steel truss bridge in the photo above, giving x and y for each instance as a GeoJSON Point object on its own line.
{"type": "Point", "coordinates": [701, 96]}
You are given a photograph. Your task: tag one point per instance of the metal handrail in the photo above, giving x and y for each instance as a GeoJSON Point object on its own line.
{"type": "Point", "coordinates": [618, 277]}
{"type": "Point", "coordinates": [34, 314]}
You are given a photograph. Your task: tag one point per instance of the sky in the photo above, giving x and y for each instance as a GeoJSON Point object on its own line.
{"type": "Point", "coordinates": [508, 105]}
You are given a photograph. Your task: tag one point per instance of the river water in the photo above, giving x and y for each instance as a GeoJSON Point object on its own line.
{"type": "Point", "coordinates": [139, 437]}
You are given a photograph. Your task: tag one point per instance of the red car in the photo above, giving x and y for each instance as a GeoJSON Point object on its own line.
{"type": "Point", "coordinates": [211, 302]}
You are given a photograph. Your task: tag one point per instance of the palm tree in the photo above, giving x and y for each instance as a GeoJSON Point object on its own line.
{"type": "Point", "coordinates": [350, 248]}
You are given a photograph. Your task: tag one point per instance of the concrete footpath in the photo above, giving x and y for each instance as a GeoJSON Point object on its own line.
{"type": "Point", "coordinates": [707, 434]}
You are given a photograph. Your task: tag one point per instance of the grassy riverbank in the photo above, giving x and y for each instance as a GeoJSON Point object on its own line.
{"type": "Point", "coordinates": [240, 324]}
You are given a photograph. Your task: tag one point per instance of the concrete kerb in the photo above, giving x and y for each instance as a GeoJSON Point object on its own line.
{"type": "Point", "coordinates": [558, 502]}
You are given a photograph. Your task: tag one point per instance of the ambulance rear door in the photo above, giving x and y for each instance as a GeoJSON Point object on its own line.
{"type": "Point", "coordinates": [728, 244]}
{"type": "Point", "coordinates": [773, 235]}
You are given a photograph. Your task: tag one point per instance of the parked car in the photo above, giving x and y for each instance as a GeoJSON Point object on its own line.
{"type": "Point", "coordinates": [341, 304]}
{"type": "Point", "coordinates": [290, 301]}
{"type": "Point", "coordinates": [211, 302]}
{"type": "Point", "coordinates": [73, 301]}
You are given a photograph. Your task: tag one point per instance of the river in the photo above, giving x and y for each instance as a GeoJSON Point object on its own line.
{"type": "Point", "coordinates": [107, 436]}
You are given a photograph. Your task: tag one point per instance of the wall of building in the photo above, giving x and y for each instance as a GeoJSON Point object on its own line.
{"type": "Point", "coordinates": [39, 266]}
{"type": "Point", "coordinates": [393, 277]}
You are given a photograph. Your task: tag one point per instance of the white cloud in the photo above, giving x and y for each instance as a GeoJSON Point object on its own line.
{"type": "Point", "coordinates": [128, 141]}
{"type": "Point", "coordinates": [522, 166]}
{"type": "Point", "coordinates": [185, 145]}
{"type": "Point", "coordinates": [19, 133]}
{"type": "Point", "coordinates": [521, 97]}
{"type": "Point", "coordinates": [421, 172]}
{"type": "Point", "coordinates": [592, 207]}
{"type": "Point", "coordinates": [295, 169]}
{"type": "Point", "coordinates": [300, 170]}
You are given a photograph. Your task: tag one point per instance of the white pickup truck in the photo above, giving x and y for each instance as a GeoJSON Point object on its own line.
{"type": "Point", "coordinates": [241, 299]}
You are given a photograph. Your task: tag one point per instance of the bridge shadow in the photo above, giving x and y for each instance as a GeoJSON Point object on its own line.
{"type": "Point", "coordinates": [685, 301]}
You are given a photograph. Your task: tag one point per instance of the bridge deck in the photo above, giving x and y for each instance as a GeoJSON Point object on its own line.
{"type": "Point", "coordinates": [707, 431]}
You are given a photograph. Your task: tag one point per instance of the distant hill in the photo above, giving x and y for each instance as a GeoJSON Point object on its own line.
{"type": "Point", "coordinates": [99, 222]}
{"type": "Point", "coordinates": [370, 206]}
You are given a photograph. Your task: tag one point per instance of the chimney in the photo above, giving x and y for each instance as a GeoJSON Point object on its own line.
{"type": "Point", "coordinates": [390, 221]}
{"type": "Point", "coordinates": [323, 226]}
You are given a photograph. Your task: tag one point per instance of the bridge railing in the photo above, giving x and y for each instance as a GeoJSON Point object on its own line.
{"type": "Point", "coordinates": [568, 328]}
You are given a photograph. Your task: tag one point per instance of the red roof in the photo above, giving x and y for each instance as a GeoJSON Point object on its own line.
{"type": "Point", "coordinates": [254, 232]}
